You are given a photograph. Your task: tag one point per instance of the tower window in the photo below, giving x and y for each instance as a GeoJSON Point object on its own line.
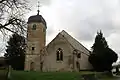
{"type": "Point", "coordinates": [59, 55]}
{"type": "Point", "coordinates": [34, 27]}
{"type": "Point", "coordinates": [33, 48]}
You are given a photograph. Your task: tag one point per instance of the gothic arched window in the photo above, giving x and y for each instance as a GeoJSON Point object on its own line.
{"type": "Point", "coordinates": [59, 55]}
{"type": "Point", "coordinates": [79, 55]}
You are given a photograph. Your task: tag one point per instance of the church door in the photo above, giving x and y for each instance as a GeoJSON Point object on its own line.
{"type": "Point", "coordinates": [78, 65]}
{"type": "Point", "coordinates": [31, 66]}
{"type": "Point", "coordinates": [41, 66]}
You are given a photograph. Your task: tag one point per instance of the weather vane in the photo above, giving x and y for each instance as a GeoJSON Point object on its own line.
{"type": "Point", "coordinates": [38, 7]}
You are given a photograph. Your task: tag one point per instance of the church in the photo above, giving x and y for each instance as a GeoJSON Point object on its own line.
{"type": "Point", "coordinates": [63, 53]}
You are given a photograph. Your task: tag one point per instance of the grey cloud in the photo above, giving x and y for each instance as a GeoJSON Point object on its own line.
{"type": "Point", "coordinates": [90, 26]}
{"type": "Point", "coordinates": [45, 2]}
{"type": "Point", "coordinates": [85, 20]}
{"type": "Point", "coordinates": [101, 23]}
{"type": "Point", "coordinates": [50, 31]}
{"type": "Point", "coordinates": [34, 3]}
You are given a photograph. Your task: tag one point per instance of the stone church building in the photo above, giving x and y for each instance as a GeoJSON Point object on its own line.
{"type": "Point", "coordinates": [63, 53]}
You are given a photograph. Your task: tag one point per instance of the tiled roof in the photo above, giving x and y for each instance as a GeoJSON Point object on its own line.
{"type": "Point", "coordinates": [74, 43]}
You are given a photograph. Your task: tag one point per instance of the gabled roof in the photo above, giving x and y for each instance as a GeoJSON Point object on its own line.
{"type": "Point", "coordinates": [73, 42]}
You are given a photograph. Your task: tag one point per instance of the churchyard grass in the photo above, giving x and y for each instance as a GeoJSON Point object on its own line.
{"type": "Point", "coordinates": [23, 75]}
{"type": "Point", "coordinates": [32, 75]}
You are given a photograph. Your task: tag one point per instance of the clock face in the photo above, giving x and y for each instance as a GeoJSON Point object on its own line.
{"type": "Point", "coordinates": [34, 27]}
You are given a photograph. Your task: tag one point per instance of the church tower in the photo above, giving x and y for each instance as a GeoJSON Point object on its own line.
{"type": "Point", "coordinates": [36, 40]}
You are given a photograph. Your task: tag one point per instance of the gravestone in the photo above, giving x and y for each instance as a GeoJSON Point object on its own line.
{"type": "Point", "coordinates": [9, 72]}
{"type": "Point", "coordinates": [89, 77]}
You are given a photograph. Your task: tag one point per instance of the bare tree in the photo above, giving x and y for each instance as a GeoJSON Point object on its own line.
{"type": "Point", "coordinates": [12, 15]}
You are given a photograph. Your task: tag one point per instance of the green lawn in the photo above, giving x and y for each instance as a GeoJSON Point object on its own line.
{"type": "Point", "coordinates": [24, 75]}
{"type": "Point", "coordinates": [20, 75]}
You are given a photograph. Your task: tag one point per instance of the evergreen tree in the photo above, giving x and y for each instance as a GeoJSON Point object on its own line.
{"type": "Point", "coordinates": [15, 52]}
{"type": "Point", "coordinates": [100, 44]}
{"type": "Point", "coordinates": [102, 56]}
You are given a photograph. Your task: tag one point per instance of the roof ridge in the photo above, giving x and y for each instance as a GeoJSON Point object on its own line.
{"type": "Point", "coordinates": [72, 38]}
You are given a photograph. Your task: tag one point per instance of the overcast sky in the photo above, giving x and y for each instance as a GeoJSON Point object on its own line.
{"type": "Point", "coordinates": [81, 19]}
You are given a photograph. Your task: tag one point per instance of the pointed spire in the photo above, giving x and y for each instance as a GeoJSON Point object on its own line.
{"type": "Point", "coordinates": [38, 8]}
